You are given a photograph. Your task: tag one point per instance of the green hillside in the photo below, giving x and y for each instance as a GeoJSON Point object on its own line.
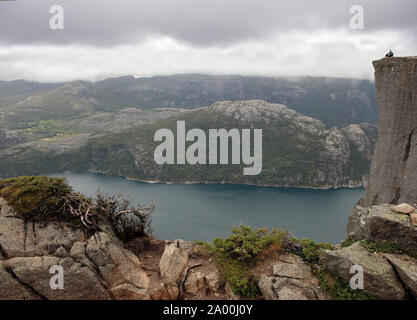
{"type": "Point", "coordinates": [297, 150]}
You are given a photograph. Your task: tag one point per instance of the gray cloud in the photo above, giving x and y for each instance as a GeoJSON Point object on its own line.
{"type": "Point", "coordinates": [262, 37]}
{"type": "Point", "coordinates": [197, 22]}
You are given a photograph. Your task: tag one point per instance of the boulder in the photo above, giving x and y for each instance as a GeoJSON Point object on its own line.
{"type": "Point", "coordinates": [292, 266]}
{"type": "Point", "coordinates": [266, 286]}
{"type": "Point", "coordinates": [406, 268]}
{"type": "Point", "coordinates": [157, 291]}
{"type": "Point", "coordinates": [292, 280]}
{"type": "Point", "coordinates": [403, 208]}
{"type": "Point", "coordinates": [194, 283]}
{"type": "Point", "coordinates": [13, 289]}
{"type": "Point", "coordinates": [80, 283]}
{"type": "Point", "coordinates": [379, 277]}
{"type": "Point", "coordinates": [379, 223]}
{"type": "Point", "coordinates": [277, 288]}
{"type": "Point", "coordinates": [172, 265]}
{"type": "Point", "coordinates": [293, 289]}
{"type": "Point", "coordinates": [116, 265]}
{"type": "Point", "coordinates": [213, 280]}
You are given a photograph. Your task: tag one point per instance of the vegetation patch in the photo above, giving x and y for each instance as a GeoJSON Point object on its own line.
{"type": "Point", "coordinates": [33, 196]}
{"type": "Point", "coordinates": [236, 255]}
{"type": "Point", "coordinates": [245, 244]}
{"type": "Point", "coordinates": [238, 275]}
{"type": "Point", "coordinates": [383, 247]}
{"type": "Point", "coordinates": [347, 242]}
{"type": "Point", "coordinates": [308, 249]}
{"type": "Point", "coordinates": [338, 289]}
{"type": "Point", "coordinates": [386, 247]}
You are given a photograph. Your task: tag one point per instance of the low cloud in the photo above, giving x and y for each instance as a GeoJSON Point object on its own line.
{"type": "Point", "coordinates": [249, 37]}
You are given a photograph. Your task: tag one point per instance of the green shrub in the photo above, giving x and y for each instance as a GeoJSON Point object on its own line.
{"type": "Point", "coordinates": [203, 248]}
{"type": "Point", "coordinates": [31, 196]}
{"type": "Point", "coordinates": [237, 275]}
{"type": "Point", "coordinates": [347, 242]}
{"type": "Point", "coordinates": [384, 247]}
{"type": "Point", "coordinates": [244, 243]}
{"type": "Point", "coordinates": [311, 250]}
{"type": "Point", "coordinates": [235, 254]}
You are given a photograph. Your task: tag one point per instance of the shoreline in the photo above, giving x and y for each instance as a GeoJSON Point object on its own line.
{"type": "Point", "coordinates": [245, 184]}
{"type": "Point", "coordinates": [348, 186]}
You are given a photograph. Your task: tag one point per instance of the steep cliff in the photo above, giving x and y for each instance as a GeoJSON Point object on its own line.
{"type": "Point", "coordinates": [393, 177]}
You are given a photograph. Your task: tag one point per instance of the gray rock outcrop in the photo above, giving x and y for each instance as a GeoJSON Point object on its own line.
{"type": "Point", "coordinates": [406, 268]}
{"type": "Point", "coordinates": [172, 265]}
{"type": "Point", "coordinates": [292, 279]}
{"type": "Point", "coordinates": [381, 224]}
{"type": "Point", "coordinates": [394, 165]}
{"type": "Point", "coordinates": [380, 278]}
{"type": "Point", "coordinates": [95, 267]}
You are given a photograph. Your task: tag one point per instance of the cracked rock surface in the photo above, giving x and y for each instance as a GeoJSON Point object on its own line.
{"type": "Point", "coordinates": [96, 268]}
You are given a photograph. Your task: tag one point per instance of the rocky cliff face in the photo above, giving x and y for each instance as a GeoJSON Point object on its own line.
{"type": "Point", "coordinates": [393, 176]}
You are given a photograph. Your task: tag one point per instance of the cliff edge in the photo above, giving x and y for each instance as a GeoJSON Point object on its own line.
{"type": "Point", "coordinates": [393, 176]}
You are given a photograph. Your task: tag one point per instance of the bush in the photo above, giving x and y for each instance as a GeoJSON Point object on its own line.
{"type": "Point", "coordinates": [384, 247]}
{"type": "Point", "coordinates": [235, 254]}
{"type": "Point", "coordinates": [128, 221]}
{"type": "Point", "coordinates": [31, 196]}
{"type": "Point", "coordinates": [311, 250]}
{"type": "Point", "coordinates": [347, 242]}
{"type": "Point", "coordinates": [238, 276]}
{"type": "Point", "coordinates": [244, 243]}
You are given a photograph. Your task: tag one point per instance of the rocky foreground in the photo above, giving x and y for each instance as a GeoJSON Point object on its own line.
{"type": "Point", "coordinates": [100, 266]}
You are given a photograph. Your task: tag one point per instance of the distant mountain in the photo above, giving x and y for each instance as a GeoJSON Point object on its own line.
{"type": "Point", "coordinates": [334, 101]}
{"type": "Point", "coordinates": [18, 90]}
{"type": "Point", "coordinates": [298, 151]}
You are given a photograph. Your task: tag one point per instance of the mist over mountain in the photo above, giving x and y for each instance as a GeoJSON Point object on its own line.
{"type": "Point", "coordinates": [335, 101]}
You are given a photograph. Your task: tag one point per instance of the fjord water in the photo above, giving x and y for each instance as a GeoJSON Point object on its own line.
{"type": "Point", "coordinates": [203, 212]}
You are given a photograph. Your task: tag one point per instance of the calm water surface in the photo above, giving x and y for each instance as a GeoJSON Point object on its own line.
{"type": "Point", "coordinates": [203, 212]}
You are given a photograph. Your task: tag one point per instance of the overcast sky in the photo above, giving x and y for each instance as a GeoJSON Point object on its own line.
{"type": "Point", "coordinates": [103, 38]}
